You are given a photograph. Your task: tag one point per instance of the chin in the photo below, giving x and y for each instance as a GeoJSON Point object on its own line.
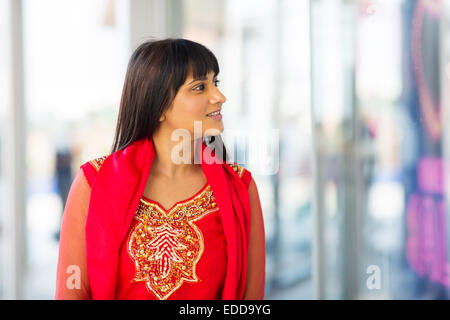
{"type": "Point", "coordinates": [213, 131]}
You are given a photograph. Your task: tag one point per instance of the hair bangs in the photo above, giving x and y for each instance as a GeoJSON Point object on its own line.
{"type": "Point", "coordinates": [194, 57]}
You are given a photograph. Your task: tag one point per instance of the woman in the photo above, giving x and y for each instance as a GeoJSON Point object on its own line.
{"type": "Point", "coordinates": [153, 220]}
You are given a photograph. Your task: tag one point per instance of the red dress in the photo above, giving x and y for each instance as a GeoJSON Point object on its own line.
{"type": "Point", "coordinates": [178, 253]}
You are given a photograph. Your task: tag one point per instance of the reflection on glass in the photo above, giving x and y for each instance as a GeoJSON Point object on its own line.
{"type": "Point", "coordinates": [379, 149]}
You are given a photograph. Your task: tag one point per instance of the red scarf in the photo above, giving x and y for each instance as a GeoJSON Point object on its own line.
{"type": "Point", "coordinates": [115, 195]}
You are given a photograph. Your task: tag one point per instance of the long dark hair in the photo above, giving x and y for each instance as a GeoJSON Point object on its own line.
{"type": "Point", "coordinates": [156, 70]}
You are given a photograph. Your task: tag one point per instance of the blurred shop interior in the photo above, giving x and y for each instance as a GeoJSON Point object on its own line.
{"type": "Point", "coordinates": [357, 89]}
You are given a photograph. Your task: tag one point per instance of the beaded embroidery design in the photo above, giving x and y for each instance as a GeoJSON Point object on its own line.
{"type": "Point", "coordinates": [237, 168]}
{"type": "Point", "coordinates": [166, 246]}
{"type": "Point", "coordinates": [97, 162]}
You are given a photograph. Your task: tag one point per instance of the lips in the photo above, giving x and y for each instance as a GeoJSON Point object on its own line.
{"type": "Point", "coordinates": [214, 113]}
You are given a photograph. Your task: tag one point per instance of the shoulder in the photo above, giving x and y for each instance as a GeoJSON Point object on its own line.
{"type": "Point", "coordinates": [248, 180]}
{"type": "Point", "coordinates": [242, 172]}
{"type": "Point", "coordinates": [92, 167]}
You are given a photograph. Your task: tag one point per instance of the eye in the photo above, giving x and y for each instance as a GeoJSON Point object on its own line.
{"type": "Point", "coordinates": [202, 86]}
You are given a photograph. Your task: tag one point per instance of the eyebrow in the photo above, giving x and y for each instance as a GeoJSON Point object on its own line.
{"type": "Point", "coordinates": [201, 78]}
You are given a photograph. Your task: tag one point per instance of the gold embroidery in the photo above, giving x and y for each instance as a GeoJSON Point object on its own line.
{"type": "Point", "coordinates": [237, 168]}
{"type": "Point", "coordinates": [166, 246]}
{"type": "Point", "coordinates": [97, 162]}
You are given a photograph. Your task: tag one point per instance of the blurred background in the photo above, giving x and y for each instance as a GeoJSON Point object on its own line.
{"type": "Point", "coordinates": [357, 89]}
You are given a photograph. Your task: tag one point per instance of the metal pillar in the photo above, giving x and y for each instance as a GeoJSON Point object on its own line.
{"type": "Point", "coordinates": [13, 218]}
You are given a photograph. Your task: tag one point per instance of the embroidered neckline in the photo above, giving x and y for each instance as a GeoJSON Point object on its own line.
{"type": "Point", "coordinates": [165, 246]}
{"type": "Point", "coordinates": [148, 201]}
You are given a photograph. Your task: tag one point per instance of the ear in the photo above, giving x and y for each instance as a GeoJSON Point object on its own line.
{"type": "Point", "coordinates": [162, 118]}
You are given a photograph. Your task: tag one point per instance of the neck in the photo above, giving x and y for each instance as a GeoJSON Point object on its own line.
{"type": "Point", "coordinates": [168, 151]}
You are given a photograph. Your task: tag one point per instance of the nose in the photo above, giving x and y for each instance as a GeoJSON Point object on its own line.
{"type": "Point", "coordinates": [217, 96]}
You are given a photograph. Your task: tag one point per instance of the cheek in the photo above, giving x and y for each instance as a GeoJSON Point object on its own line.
{"type": "Point", "coordinates": [185, 113]}
{"type": "Point", "coordinates": [195, 109]}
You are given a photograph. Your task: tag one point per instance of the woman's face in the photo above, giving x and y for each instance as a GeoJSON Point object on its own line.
{"type": "Point", "coordinates": [195, 99]}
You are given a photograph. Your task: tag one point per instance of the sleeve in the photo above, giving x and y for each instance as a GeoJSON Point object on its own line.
{"type": "Point", "coordinates": [246, 177]}
{"type": "Point", "coordinates": [256, 252]}
{"type": "Point", "coordinates": [72, 278]}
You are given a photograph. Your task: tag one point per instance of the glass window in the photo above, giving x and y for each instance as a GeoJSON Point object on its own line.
{"type": "Point", "coordinates": [379, 109]}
